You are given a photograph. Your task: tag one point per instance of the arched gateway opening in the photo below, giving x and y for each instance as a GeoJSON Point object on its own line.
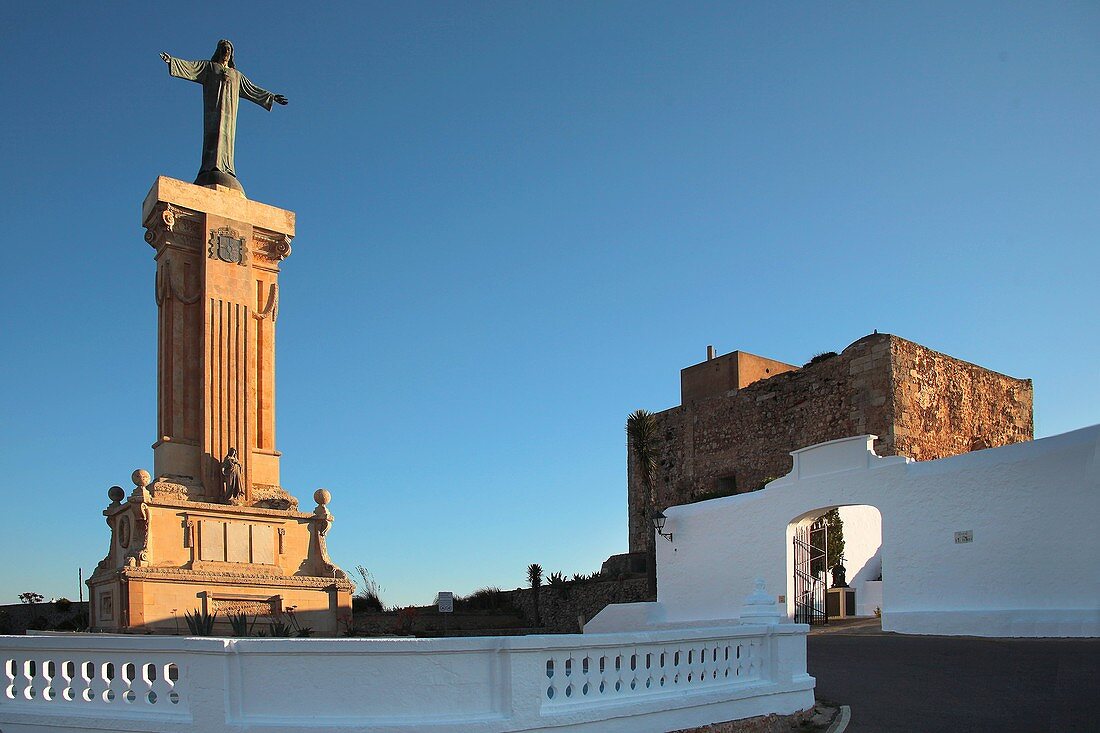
{"type": "Point", "coordinates": [834, 564]}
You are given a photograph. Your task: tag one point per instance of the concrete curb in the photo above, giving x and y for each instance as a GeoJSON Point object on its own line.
{"type": "Point", "coordinates": [842, 719]}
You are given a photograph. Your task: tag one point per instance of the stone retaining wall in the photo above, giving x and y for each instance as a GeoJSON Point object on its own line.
{"type": "Point", "coordinates": [561, 610]}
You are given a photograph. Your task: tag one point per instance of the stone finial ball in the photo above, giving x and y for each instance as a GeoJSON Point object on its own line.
{"type": "Point", "coordinates": [116, 494]}
{"type": "Point", "coordinates": [322, 496]}
{"type": "Point", "coordinates": [141, 478]}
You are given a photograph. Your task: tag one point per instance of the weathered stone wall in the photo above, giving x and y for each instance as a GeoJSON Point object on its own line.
{"type": "Point", "coordinates": [919, 402]}
{"type": "Point", "coordinates": [560, 609]}
{"type": "Point", "coordinates": [944, 407]}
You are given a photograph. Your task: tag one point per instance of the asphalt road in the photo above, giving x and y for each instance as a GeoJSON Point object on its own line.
{"type": "Point", "coordinates": [929, 684]}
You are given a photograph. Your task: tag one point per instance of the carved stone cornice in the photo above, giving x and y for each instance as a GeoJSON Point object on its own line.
{"type": "Point", "coordinates": [210, 577]}
{"type": "Point", "coordinates": [203, 507]}
{"type": "Point", "coordinates": [172, 225]}
{"type": "Point", "coordinates": [270, 247]}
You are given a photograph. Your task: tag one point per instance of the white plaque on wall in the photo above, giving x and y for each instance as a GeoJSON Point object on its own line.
{"type": "Point", "coordinates": [237, 542]}
{"type": "Point", "coordinates": [212, 540]}
{"type": "Point", "coordinates": [263, 544]}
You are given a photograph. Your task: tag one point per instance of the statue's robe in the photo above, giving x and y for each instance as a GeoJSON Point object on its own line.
{"type": "Point", "coordinates": [222, 87]}
{"type": "Point", "coordinates": [231, 478]}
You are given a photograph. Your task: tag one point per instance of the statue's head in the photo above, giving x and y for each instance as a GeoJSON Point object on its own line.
{"type": "Point", "coordinates": [223, 54]}
{"type": "Point", "coordinates": [232, 452]}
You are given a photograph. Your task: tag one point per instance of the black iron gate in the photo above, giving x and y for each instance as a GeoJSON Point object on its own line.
{"type": "Point", "coordinates": [810, 543]}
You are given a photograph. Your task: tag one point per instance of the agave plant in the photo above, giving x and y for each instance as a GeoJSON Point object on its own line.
{"type": "Point", "coordinates": [239, 623]}
{"type": "Point", "coordinates": [641, 438]}
{"type": "Point", "coordinates": [558, 583]}
{"type": "Point", "coordinates": [279, 629]}
{"type": "Point", "coordinates": [200, 623]}
{"type": "Point", "coordinates": [534, 577]}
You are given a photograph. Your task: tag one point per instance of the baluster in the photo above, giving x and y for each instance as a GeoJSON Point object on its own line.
{"type": "Point", "coordinates": [49, 675]}
{"type": "Point", "coordinates": [108, 676]}
{"type": "Point", "coordinates": [11, 675]}
{"type": "Point", "coordinates": [567, 681]}
{"type": "Point", "coordinates": [143, 683]}
{"type": "Point", "coordinates": [550, 672]}
{"type": "Point", "coordinates": [67, 672]}
{"type": "Point", "coordinates": [88, 691]}
{"type": "Point", "coordinates": [32, 686]}
{"type": "Point", "coordinates": [586, 675]}
{"type": "Point", "coordinates": [128, 676]}
{"type": "Point", "coordinates": [173, 684]}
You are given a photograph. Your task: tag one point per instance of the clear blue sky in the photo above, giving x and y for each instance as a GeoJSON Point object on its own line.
{"type": "Point", "coordinates": [516, 223]}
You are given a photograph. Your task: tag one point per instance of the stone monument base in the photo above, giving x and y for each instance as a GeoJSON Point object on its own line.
{"type": "Point", "coordinates": [171, 556]}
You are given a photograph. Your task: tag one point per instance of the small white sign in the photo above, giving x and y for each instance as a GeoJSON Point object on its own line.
{"type": "Point", "coordinates": [967, 535]}
{"type": "Point", "coordinates": [446, 601]}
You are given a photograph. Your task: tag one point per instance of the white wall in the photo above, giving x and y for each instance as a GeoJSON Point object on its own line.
{"type": "Point", "coordinates": [862, 547]}
{"type": "Point", "coordinates": [1031, 569]}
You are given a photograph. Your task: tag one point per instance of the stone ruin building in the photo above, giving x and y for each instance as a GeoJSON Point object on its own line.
{"type": "Point", "coordinates": [741, 415]}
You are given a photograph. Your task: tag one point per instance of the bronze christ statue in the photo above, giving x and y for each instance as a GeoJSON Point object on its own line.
{"type": "Point", "coordinates": [222, 87]}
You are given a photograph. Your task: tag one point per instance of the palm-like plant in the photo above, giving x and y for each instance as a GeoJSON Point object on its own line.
{"type": "Point", "coordinates": [534, 577]}
{"type": "Point", "coordinates": [641, 440]}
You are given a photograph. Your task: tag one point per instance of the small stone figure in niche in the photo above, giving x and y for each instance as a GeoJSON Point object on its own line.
{"type": "Point", "coordinates": [231, 477]}
{"type": "Point", "coordinates": [222, 87]}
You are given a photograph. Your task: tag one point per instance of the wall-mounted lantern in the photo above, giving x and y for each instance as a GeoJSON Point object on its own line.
{"type": "Point", "coordinates": [659, 525]}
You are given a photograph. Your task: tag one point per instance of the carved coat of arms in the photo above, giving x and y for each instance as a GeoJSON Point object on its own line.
{"type": "Point", "coordinates": [227, 246]}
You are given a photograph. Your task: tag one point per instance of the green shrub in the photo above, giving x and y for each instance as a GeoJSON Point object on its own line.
{"type": "Point", "coordinates": [823, 356]}
{"type": "Point", "coordinates": [483, 599]}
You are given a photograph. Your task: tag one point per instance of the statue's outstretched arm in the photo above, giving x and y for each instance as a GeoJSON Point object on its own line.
{"type": "Point", "coordinates": [260, 96]}
{"type": "Point", "coordinates": [190, 70]}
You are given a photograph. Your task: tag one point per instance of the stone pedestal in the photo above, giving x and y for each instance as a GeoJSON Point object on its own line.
{"type": "Point", "coordinates": [170, 557]}
{"type": "Point", "coordinates": [188, 541]}
{"type": "Point", "coordinates": [840, 602]}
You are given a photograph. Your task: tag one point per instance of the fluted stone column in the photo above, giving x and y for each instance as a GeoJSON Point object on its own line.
{"type": "Point", "coordinates": [217, 293]}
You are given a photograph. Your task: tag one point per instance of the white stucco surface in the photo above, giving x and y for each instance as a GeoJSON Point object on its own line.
{"type": "Point", "coordinates": [1031, 509]}
{"type": "Point", "coordinates": [862, 547]}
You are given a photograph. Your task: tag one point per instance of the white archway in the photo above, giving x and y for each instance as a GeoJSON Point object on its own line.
{"type": "Point", "coordinates": [863, 538]}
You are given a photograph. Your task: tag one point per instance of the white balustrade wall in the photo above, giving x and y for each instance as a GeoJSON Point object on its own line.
{"type": "Point", "coordinates": [634, 681]}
